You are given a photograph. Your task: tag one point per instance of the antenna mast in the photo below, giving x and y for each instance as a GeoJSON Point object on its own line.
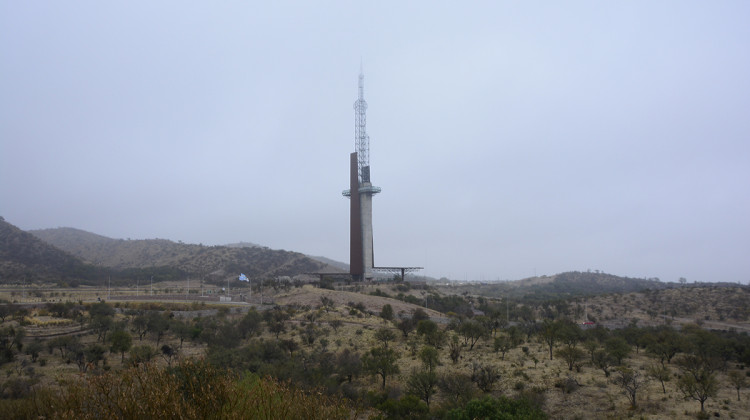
{"type": "Point", "coordinates": [361, 139]}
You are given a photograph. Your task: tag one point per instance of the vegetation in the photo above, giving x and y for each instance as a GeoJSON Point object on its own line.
{"type": "Point", "coordinates": [388, 350]}
{"type": "Point", "coordinates": [190, 390]}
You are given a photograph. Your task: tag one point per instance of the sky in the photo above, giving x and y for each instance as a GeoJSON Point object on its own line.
{"type": "Point", "coordinates": [510, 139]}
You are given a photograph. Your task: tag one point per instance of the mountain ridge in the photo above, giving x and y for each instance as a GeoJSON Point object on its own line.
{"type": "Point", "coordinates": [69, 253]}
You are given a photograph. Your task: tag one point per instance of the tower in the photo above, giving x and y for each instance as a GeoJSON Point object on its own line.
{"type": "Point", "coordinates": [360, 192]}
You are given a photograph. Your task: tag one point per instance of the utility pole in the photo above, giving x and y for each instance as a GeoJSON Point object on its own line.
{"type": "Point", "coordinates": [152, 285]}
{"type": "Point", "coordinates": [109, 287]}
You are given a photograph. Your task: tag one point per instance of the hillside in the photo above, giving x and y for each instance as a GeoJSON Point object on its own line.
{"type": "Point", "coordinates": [26, 258]}
{"type": "Point", "coordinates": [559, 286]}
{"type": "Point", "coordinates": [332, 263]}
{"type": "Point", "coordinates": [715, 306]}
{"type": "Point", "coordinates": [215, 263]}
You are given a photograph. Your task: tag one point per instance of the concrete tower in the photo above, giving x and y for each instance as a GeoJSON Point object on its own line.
{"type": "Point", "coordinates": [360, 192]}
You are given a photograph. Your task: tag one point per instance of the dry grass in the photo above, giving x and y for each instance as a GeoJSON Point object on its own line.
{"type": "Point", "coordinates": [597, 397]}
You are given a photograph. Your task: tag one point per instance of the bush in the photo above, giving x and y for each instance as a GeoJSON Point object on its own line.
{"type": "Point", "coordinates": [408, 407]}
{"type": "Point", "coordinates": [192, 390]}
{"type": "Point", "coordinates": [497, 408]}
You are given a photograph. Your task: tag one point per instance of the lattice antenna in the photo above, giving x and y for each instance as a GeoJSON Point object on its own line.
{"type": "Point", "coordinates": [361, 139]}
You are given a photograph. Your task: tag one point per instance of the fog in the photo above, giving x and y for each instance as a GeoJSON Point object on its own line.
{"type": "Point", "coordinates": [510, 139]}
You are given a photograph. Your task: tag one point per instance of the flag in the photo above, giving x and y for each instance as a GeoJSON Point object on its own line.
{"type": "Point", "coordinates": [243, 277]}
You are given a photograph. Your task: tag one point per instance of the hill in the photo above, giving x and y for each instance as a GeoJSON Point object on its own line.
{"type": "Point", "coordinates": [26, 258]}
{"type": "Point", "coordinates": [214, 263]}
{"type": "Point", "coordinates": [332, 263]}
{"type": "Point", "coordinates": [559, 286]}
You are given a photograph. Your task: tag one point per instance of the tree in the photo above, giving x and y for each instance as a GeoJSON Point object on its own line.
{"type": "Point", "coordinates": [65, 344]}
{"type": "Point", "coordinates": [250, 324]}
{"type": "Point", "coordinates": [457, 389]}
{"type": "Point", "coordinates": [140, 326]}
{"type": "Point", "coordinates": [158, 325]}
{"type": "Point", "coordinates": [698, 387]}
{"type": "Point", "coordinates": [738, 381]}
{"type": "Point", "coordinates": [471, 331]}
{"type": "Point", "coordinates": [571, 355]}
{"type": "Point", "coordinates": [276, 328]}
{"type": "Point", "coordinates": [617, 348]}
{"type": "Point", "coordinates": [60, 309]}
{"type": "Point", "coordinates": [310, 334]}
{"type": "Point", "coordinates": [591, 347]}
{"type": "Point", "coordinates": [633, 335]}
{"type": "Point", "coordinates": [568, 333]}
{"type": "Point", "coordinates": [550, 335]}
{"type": "Point", "coordinates": [101, 325]}
{"type": "Point", "coordinates": [141, 354]}
{"type": "Point", "coordinates": [661, 373]}
{"type": "Point", "coordinates": [33, 349]}
{"type": "Point", "coordinates": [183, 330]}
{"type": "Point", "coordinates": [430, 359]}
{"type": "Point", "coordinates": [11, 340]}
{"type": "Point", "coordinates": [385, 335]}
{"type": "Point", "coordinates": [603, 361]}
{"type": "Point", "coordinates": [6, 309]}
{"type": "Point", "coordinates": [169, 353]}
{"type": "Point", "coordinates": [381, 361]}
{"type": "Point", "coordinates": [121, 342]}
{"type": "Point", "coordinates": [432, 334]}
{"type": "Point", "coordinates": [289, 345]}
{"type": "Point", "coordinates": [630, 381]}
{"type": "Point", "coordinates": [349, 364]}
{"type": "Point", "coordinates": [664, 343]}
{"type": "Point", "coordinates": [503, 344]}
{"type": "Point", "coordinates": [88, 356]}
{"type": "Point", "coordinates": [421, 383]}
{"type": "Point", "coordinates": [698, 381]}
{"type": "Point", "coordinates": [336, 324]}
{"type": "Point", "coordinates": [101, 309]}
{"type": "Point", "coordinates": [406, 326]}
{"type": "Point", "coordinates": [387, 312]}
{"type": "Point", "coordinates": [485, 376]}
{"type": "Point", "coordinates": [454, 349]}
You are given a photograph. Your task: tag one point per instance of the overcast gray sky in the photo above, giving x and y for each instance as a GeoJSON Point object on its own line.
{"type": "Point", "coordinates": [509, 138]}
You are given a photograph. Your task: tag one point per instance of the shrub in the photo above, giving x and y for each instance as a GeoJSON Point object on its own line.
{"type": "Point", "coordinates": [408, 407]}
{"type": "Point", "coordinates": [497, 408]}
{"type": "Point", "coordinates": [191, 390]}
